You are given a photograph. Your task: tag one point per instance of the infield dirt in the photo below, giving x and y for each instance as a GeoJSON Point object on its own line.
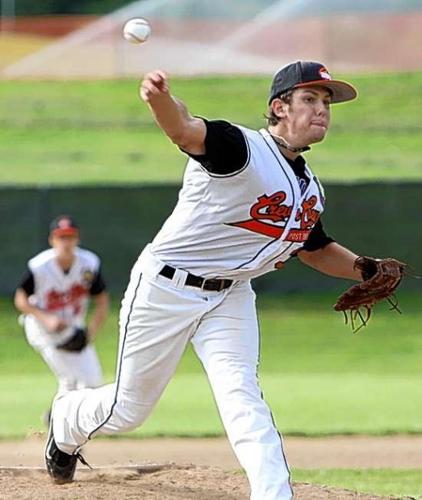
{"type": "Point", "coordinates": [176, 469]}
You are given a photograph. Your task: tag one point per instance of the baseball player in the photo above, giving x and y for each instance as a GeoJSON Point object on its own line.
{"type": "Point", "coordinates": [249, 203]}
{"type": "Point", "coordinates": [53, 296]}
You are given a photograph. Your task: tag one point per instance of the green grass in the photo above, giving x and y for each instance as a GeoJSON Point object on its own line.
{"type": "Point", "coordinates": [311, 405]}
{"type": "Point", "coordinates": [318, 378]}
{"type": "Point", "coordinates": [100, 132]}
{"type": "Point", "coordinates": [374, 481]}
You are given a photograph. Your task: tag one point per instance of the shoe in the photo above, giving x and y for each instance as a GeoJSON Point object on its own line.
{"type": "Point", "coordinates": [60, 466]}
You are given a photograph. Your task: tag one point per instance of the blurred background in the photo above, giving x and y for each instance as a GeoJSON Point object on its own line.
{"type": "Point", "coordinates": [191, 37]}
{"type": "Point", "coordinates": [75, 138]}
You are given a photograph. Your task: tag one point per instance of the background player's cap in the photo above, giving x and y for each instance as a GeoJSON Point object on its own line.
{"type": "Point", "coordinates": [63, 225]}
{"type": "Point", "coordinates": [310, 74]}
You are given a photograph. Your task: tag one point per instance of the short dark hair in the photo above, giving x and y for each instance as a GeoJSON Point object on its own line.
{"type": "Point", "coordinates": [272, 118]}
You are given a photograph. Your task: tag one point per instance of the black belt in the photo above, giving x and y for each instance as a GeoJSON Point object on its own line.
{"type": "Point", "coordinates": [214, 284]}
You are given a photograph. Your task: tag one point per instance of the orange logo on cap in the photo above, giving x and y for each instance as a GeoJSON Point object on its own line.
{"type": "Point", "coordinates": [324, 74]}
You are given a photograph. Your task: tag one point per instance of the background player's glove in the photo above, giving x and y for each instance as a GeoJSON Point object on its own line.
{"type": "Point", "coordinates": [381, 277]}
{"type": "Point", "coordinates": [77, 342]}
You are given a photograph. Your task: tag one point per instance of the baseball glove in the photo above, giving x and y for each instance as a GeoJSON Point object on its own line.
{"type": "Point", "coordinates": [381, 277]}
{"type": "Point", "coordinates": [77, 342]}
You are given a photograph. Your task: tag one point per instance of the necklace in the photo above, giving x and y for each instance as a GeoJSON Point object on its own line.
{"type": "Point", "coordinates": [282, 143]}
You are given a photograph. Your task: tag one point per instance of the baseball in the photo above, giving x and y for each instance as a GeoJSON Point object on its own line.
{"type": "Point", "coordinates": [137, 30]}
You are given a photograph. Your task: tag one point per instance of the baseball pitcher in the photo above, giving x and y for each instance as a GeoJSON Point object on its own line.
{"type": "Point", "coordinates": [249, 203]}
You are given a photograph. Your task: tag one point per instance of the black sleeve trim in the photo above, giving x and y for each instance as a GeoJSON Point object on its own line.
{"type": "Point", "coordinates": [27, 283]}
{"type": "Point", "coordinates": [236, 172]}
{"type": "Point", "coordinates": [227, 150]}
{"type": "Point", "coordinates": [317, 238]}
{"type": "Point", "coordinates": [98, 285]}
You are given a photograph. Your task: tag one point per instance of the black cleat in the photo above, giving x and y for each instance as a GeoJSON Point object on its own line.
{"type": "Point", "coordinates": [60, 466]}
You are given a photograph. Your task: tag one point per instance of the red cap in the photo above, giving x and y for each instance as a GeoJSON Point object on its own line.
{"type": "Point", "coordinates": [63, 225]}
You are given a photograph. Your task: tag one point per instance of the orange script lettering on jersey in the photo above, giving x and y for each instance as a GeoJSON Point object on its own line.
{"type": "Point", "coordinates": [272, 208]}
{"type": "Point", "coordinates": [58, 300]}
{"type": "Point", "coordinates": [307, 215]}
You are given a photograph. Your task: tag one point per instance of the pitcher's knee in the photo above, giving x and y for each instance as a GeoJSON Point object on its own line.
{"type": "Point", "coordinates": [127, 415]}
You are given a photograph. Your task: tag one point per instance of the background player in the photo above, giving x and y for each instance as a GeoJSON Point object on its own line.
{"type": "Point", "coordinates": [248, 203]}
{"type": "Point", "coordinates": [54, 296]}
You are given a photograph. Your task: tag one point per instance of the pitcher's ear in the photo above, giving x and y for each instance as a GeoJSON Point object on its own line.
{"type": "Point", "coordinates": [279, 107]}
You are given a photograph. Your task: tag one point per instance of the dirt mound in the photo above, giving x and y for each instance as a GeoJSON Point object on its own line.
{"type": "Point", "coordinates": [149, 482]}
{"type": "Point", "coordinates": [341, 452]}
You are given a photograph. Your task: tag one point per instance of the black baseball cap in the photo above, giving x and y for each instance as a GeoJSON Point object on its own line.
{"type": "Point", "coordinates": [310, 74]}
{"type": "Point", "coordinates": [64, 225]}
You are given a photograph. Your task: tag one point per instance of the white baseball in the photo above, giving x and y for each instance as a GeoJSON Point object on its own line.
{"type": "Point", "coordinates": [137, 30]}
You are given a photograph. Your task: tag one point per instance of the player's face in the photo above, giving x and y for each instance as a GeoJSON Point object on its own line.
{"type": "Point", "coordinates": [307, 116]}
{"type": "Point", "coordinates": [64, 245]}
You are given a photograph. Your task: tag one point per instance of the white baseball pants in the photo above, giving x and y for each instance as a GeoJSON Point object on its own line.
{"type": "Point", "coordinates": [157, 319]}
{"type": "Point", "coordinates": [73, 370]}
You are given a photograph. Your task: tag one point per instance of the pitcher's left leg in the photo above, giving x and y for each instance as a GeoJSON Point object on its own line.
{"type": "Point", "coordinates": [227, 342]}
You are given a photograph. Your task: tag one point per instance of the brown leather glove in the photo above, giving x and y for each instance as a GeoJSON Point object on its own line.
{"type": "Point", "coordinates": [381, 277]}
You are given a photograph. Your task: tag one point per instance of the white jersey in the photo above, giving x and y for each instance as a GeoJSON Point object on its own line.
{"type": "Point", "coordinates": [65, 294]}
{"type": "Point", "coordinates": [240, 225]}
